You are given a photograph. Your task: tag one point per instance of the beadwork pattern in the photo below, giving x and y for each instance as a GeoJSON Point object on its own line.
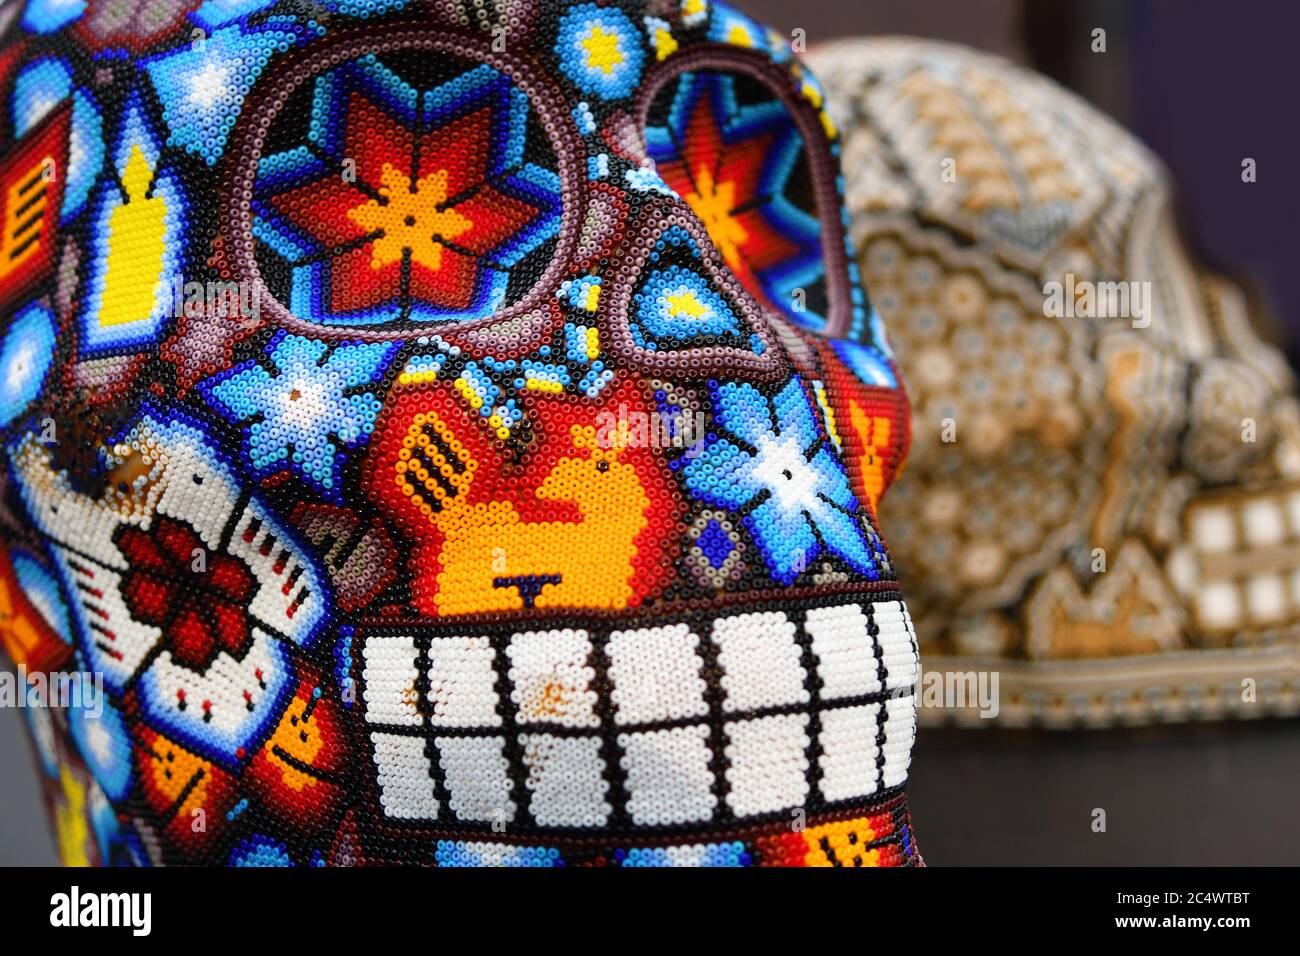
{"type": "Point", "coordinates": [431, 477]}
{"type": "Point", "coordinates": [1080, 437]}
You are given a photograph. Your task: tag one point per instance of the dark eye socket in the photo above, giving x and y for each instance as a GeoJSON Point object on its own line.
{"type": "Point", "coordinates": [602, 466]}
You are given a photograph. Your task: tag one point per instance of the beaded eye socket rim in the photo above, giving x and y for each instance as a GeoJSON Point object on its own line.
{"type": "Point", "coordinates": [693, 363]}
{"type": "Point", "coordinates": [253, 128]}
{"type": "Point", "coordinates": [817, 152]}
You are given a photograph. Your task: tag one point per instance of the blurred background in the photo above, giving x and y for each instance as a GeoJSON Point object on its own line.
{"type": "Point", "coordinates": [1203, 83]}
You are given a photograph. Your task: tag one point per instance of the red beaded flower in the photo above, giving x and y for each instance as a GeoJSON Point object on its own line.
{"type": "Point", "coordinates": [198, 600]}
{"type": "Point", "coordinates": [410, 210]}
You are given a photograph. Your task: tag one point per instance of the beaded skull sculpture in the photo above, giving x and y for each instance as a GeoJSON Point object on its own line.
{"type": "Point", "coordinates": [452, 433]}
{"type": "Point", "coordinates": [1114, 525]}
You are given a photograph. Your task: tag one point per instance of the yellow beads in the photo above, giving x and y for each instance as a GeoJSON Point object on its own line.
{"type": "Point", "coordinates": [841, 844]}
{"type": "Point", "coordinates": [136, 245]}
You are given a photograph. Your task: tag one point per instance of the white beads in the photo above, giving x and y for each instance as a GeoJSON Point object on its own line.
{"type": "Point", "coordinates": [405, 782]}
{"type": "Point", "coordinates": [566, 779]}
{"type": "Point", "coordinates": [900, 732]}
{"type": "Point", "coordinates": [462, 683]}
{"type": "Point", "coordinates": [551, 678]}
{"type": "Point", "coordinates": [769, 763]}
{"type": "Point", "coordinates": [475, 774]}
{"type": "Point", "coordinates": [187, 484]}
{"type": "Point", "coordinates": [849, 752]}
{"type": "Point", "coordinates": [290, 598]}
{"type": "Point", "coordinates": [897, 639]}
{"type": "Point", "coordinates": [846, 659]}
{"type": "Point", "coordinates": [661, 761]}
{"type": "Point", "coordinates": [668, 776]}
{"type": "Point", "coordinates": [656, 674]}
{"type": "Point", "coordinates": [760, 661]}
{"type": "Point", "coordinates": [389, 672]}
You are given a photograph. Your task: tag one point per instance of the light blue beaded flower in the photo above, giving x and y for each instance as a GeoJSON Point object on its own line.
{"type": "Point", "coordinates": [600, 50]}
{"type": "Point", "coordinates": [303, 417]}
{"type": "Point", "coordinates": [772, 464]}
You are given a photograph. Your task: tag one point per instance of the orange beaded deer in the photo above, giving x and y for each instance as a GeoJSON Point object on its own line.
{"type": "Point", "coordinates": [492, 559]}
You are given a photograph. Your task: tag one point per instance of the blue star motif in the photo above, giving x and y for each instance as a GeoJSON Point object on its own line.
{"type": "Point", "coordinates": [771, 463]}
{"type": "Point", "coordinates": [303, 417]}
{"type": "Point", "coordinates": [202, 85]}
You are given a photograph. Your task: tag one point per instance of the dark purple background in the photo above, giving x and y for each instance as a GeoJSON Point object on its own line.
{"type": "Point", "coordinates": [1214, 82]}
{"type": "Point", "coordinates": [1204, 83]}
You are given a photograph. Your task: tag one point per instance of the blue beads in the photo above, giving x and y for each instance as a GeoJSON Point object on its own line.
{"type": "Point", "coordinates": [680, 305]}
{"type": "Point", "coordinates": [201, 86]}
{"type": "Point", "coordinates": [26, 354]}
{"type": "Point", "coordinates": [600, 50]}
{"type": "Point", "coordinates": [308, 400]}
{"type": "Point", "coordinates": [775, 446]}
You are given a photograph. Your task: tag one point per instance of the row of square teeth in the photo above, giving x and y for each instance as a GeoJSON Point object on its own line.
{"type": "Point", "coordinates": [810, 708]}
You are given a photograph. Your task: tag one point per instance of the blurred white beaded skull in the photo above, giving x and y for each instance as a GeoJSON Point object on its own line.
{"type": "Point", "coordinates": [1102, 501]}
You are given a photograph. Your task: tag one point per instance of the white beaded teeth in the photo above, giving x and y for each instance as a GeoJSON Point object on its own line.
{"type": "Point", "coordinates": [811, 708]}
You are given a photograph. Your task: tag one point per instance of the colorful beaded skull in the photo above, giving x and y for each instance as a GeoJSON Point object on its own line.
{"type": "Point", "coordinates": [453, 431]}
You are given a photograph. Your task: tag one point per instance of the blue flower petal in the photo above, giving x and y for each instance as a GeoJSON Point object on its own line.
{"type": "Point", "coordinates": [239, 391]}
{"type": "Point", "coordinates": [843, 535]}
{"type": "Point", "coordinates": [723, 475]}
{"type": "Point", "coordinates": [794, 415]}
{"type": "Point", "coordinates": [741, 409]}
{"type": "Point", "coordinates": [336, 422]}
{"type": "Point", "coordinates": [832, 483]}
{"type": "Point", "coordinates": [785, 538]}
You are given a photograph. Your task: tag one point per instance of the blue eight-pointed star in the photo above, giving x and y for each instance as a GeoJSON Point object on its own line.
{"type": "Point", "coordinates": [771, 464]}
{"type": "Point", "coordinates": [302, 417]}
